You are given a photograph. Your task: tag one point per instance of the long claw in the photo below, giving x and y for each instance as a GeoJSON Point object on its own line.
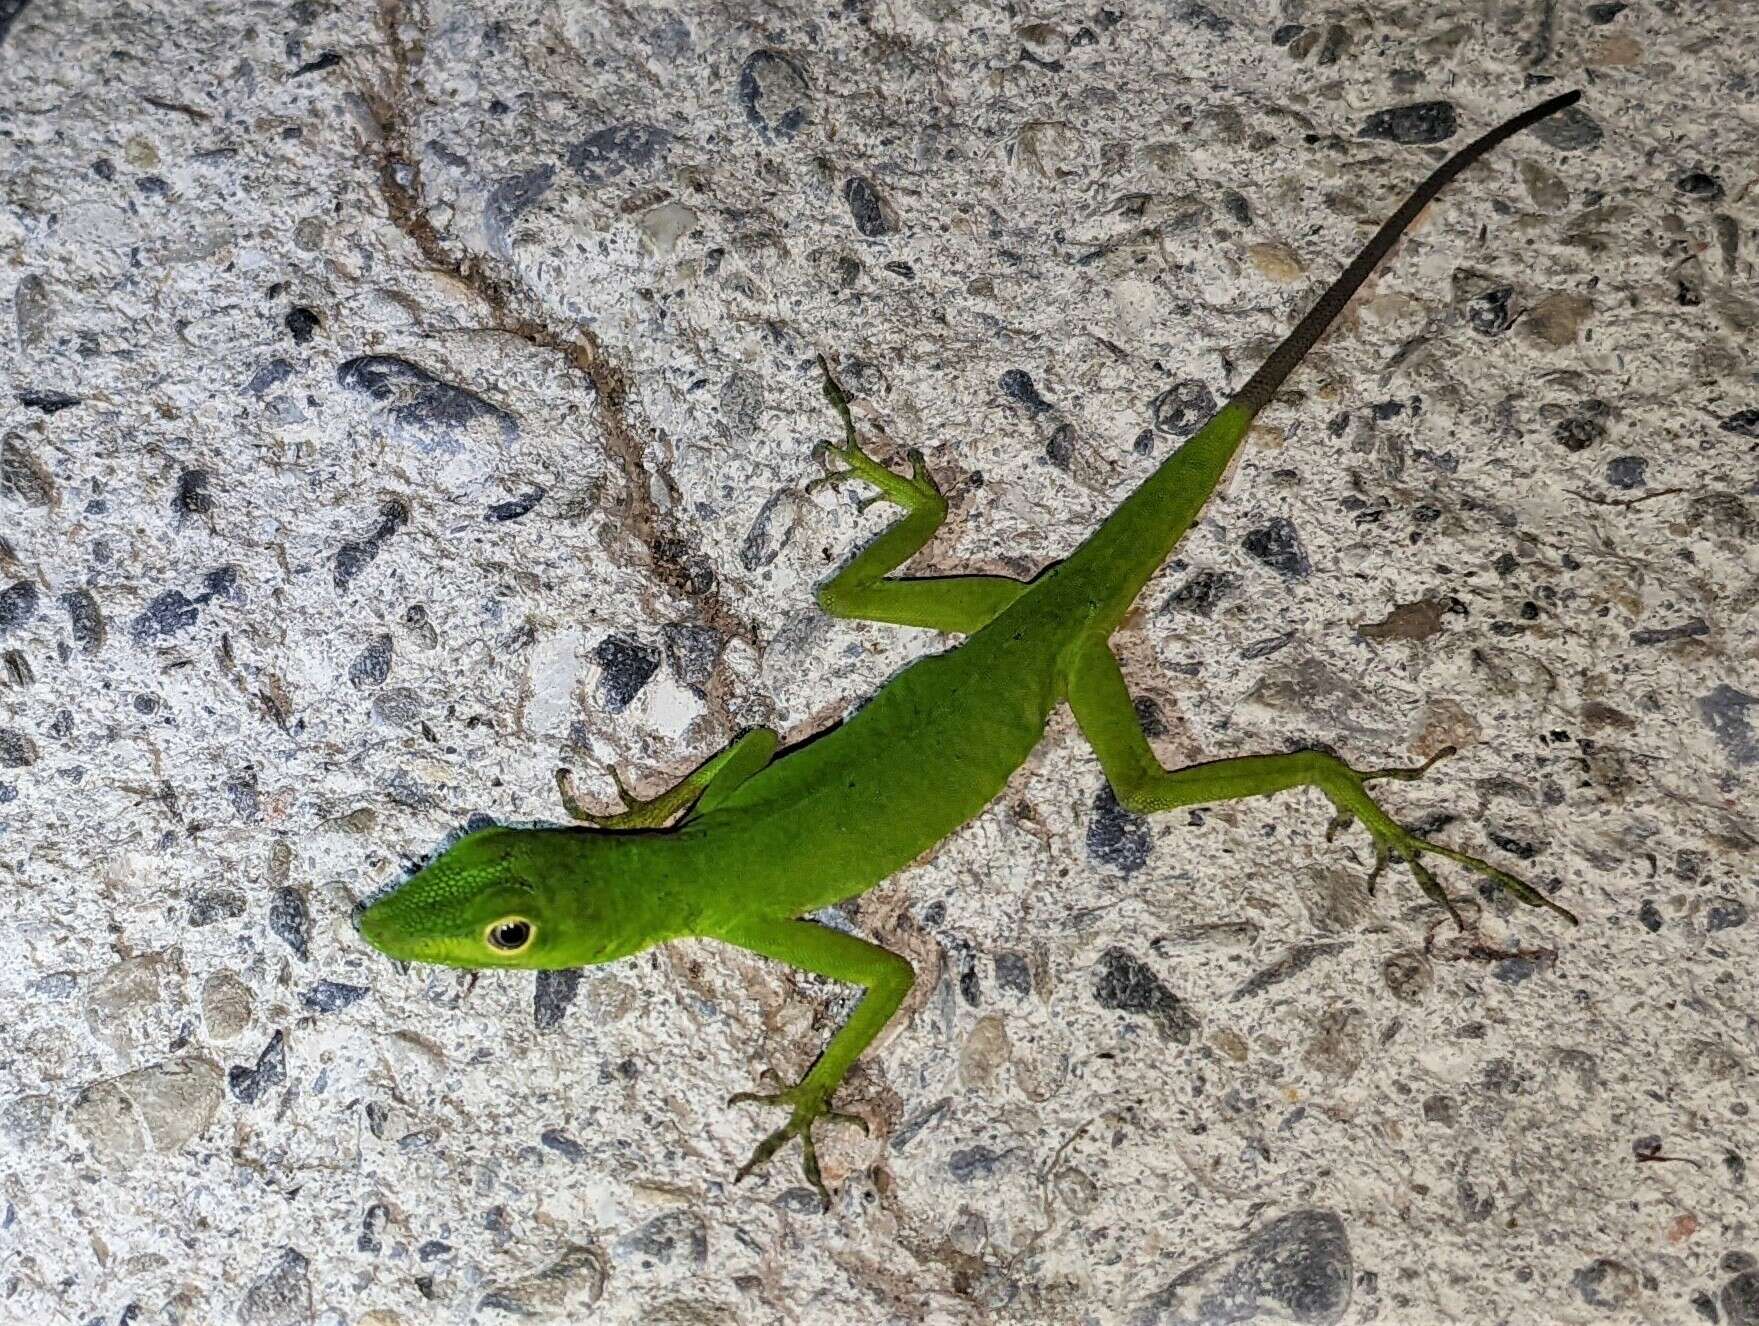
{"type": "Point", "coordinates": [1408, 774]}
{"type": "Point", "coordinates": [808, 1109]}
{"type": "Point", "coordinates": [1347, 789]}
{"type": "Point", "coordinates": [1339, 822]}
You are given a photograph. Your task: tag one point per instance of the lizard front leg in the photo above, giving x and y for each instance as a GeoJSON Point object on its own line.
{"type": "Point", "coordinates": [959, 604]}
{"type": "Point", "coordinates": [707, 787]}
{"type": "Point", "coordinates": [887, 978]}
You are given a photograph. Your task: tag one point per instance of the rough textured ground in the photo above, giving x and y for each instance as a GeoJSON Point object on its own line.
{"type": "Point", "coordinates": [401, 402]}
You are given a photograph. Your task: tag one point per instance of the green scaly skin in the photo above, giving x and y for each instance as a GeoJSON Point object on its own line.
{"type": "Point", "coordinates": [764, 840]}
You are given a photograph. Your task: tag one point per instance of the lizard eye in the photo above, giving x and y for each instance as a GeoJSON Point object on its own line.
{"type": "Point", "coordinates": [510, 935]}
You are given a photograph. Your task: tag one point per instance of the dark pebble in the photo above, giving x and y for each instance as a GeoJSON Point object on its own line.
{"type": "Point", "coordinates": [373, 665]}
{"type": "Point", "coordinates": [1744, 423]}
{"type": "Point", "coordinates": [517, 507]}
{"type": "Point", "coordinates": [49, 402]}
{"type": "Point", "coordinates": [1017, 384]}
{"type": "Point", "coordinates": [166, 615]}
{"type": "Point", "coordinates": [1660, 635]}
{"type": "Point", "coordinates": [1650, 915]}
{"type": "Point", "coordinates": [18, 604]}
{"type": "Point", "coordinates": [554, 992]}
{"type": "Point", "coordinates": [290, 921]}
{"type": "Point", "coordinates": [1278, 546]}
{"type": "Point", "coordinates": [1201, 593]}
{"type": "Point", "coordinates": [1725, 914]}
{"type": "Point", "coordinates": [773, 93]}
{"type": "Point", "coordinates": [563, 1145]}
{"type": "Point", "coordinates": [1627, 472]}
{"type": "Point", "coordinates": [628, 666]}
{"type": "Point", "coordinates": [420, 406]}
{"type": "Point", "coordinates": [864, 205]}
{"type": "Point", "coordinates": [193, 497]}
{"type": "Point", "coordinates": [1183, 408]}
{"type": "Point", "coordinates": [1127, 986]}
{"type": "Point", "coordinates": [1604, 13]}
{"type": "Point", "coordinates": [1423, 122]}
{"type": "Point", "coordinates": [1578, 433]}
{"type": "Point", "coordinates": [1488, 314]}
{"type": "Point", "coordinates": [1696, 184]}
{"type": "Point", "coordinates": [248, 1084]}
{"type": "Point", "coordinates": [1060, 450]}
{"type": "Point", "coordinates": [617, 149]}
{"type": "Point", "coordinates": [302, 325]}
{"type": "Point", "coordinates": [332, 996]}
{"type": "Point", "coordinates": [1116, 837]}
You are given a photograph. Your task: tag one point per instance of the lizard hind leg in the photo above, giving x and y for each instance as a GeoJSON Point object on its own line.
{"type": "Point", "coordinates": [1101, 703]}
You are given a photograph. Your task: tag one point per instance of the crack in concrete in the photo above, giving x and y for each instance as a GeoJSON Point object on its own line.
{"type": "Point", "coordinates": [640, 523]}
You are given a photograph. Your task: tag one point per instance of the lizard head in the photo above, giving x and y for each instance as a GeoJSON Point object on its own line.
{"type": "Point", "coordinates": [477, 904]}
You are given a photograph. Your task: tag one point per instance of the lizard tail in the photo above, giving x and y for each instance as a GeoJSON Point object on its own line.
{"type": "Point", "coordinates": [1256, 394]}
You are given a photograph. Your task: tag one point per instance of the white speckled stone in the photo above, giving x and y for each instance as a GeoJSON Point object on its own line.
{"type": "Point", "coordinates": [401, 401]}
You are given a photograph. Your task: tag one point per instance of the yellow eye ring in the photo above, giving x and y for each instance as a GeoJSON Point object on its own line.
{"type": "Point", "coordinates": [511, 934]}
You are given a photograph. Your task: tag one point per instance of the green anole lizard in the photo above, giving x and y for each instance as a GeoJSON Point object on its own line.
{"type": "Point", "coordinates": [762, 839]}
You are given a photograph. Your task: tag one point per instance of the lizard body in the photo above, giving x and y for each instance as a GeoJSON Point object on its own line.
{"type": "Point", "coordinates": [761, 840]}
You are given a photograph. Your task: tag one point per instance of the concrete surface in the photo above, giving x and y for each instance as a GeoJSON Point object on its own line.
{"type": "Point", "coordinates": [400, 402]}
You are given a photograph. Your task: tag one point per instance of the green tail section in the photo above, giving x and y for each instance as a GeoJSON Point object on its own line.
{"type": "Point", "coordinates": [1110, 568]}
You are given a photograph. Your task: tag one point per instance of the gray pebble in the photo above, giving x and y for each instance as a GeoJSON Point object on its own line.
{"type": "Point", "coordinates": [612, 151]}
{"type": "Point", "coordinates": [281, 1296]}
{"type": "Point", "coordinates": [512, 196]}
{"type": "Point", "coordinates": [773, 94]}
{"type": "Point", "coordinates": [373, 665]}
{"type": "Point", "coordinates": [1725, 711]}
{"type": "Point", "coordinates": [1627, 472]}
{"type": "Point", "coordinates": [673, 1236]}
{"type": "Point", "coordinates": [1297, 1269]}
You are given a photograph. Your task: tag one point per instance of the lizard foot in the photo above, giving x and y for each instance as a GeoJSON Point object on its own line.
{"type": "Point", "coordinates": [1347, 789]}
{"type": "Point", "coordinates": [914, 493]}
{"type": "Point", "coordinates": [636, 813]}
{"type": "Point", "coordinates": [808, 1106]}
